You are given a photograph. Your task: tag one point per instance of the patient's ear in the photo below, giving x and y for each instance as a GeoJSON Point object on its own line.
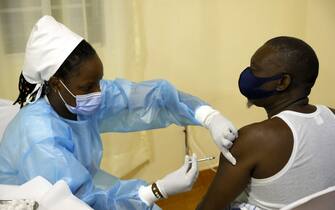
{"type": "Point", "coordinates": [284, 82]}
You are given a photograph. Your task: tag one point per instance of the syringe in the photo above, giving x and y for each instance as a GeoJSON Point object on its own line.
{"type": "Point", "coordinates": [204, 159]}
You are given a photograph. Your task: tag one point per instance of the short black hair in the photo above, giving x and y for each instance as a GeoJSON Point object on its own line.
{"type": "Point", "coordinates": [299, 59]}
{"type": "Point", "coordinates": [82, 52]}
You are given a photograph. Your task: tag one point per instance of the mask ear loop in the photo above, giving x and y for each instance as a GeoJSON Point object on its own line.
{"type": "Point", "coordinates": [67, 89]}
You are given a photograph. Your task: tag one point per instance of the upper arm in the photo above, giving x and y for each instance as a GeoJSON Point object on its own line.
{"type": "Point", "coordinates": [230, 180]}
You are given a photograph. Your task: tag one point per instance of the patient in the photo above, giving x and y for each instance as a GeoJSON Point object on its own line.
{"type": "Point", "coordinates": [289, 155]}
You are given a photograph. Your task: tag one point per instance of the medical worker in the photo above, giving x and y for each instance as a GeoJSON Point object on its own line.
{"type": "Point", "coordinates": [66, 105]}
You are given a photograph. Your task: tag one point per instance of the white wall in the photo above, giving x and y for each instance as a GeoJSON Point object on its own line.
{"type": "Point", "coordinates": [320, 33]}
{"type": "Point", "coordinates": [202, 46]}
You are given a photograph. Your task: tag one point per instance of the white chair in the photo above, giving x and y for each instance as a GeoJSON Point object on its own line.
{"type": "Point", "coordinates": [322, 200]}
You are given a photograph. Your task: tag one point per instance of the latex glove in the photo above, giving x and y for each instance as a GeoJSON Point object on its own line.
{"type": "Point", "coordinates": [222, 130]}
{"type": "Point", "coordinates": [178, 181]}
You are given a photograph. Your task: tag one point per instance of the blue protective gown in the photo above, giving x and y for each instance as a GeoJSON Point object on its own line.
{"type": "Point", "coordinates": [38, 142]}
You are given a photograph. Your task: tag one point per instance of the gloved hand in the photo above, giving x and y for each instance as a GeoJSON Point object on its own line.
{"type": "Point", "coordinates": [178, 181]}
{"type": "Point", "coordinates": [222, 130]}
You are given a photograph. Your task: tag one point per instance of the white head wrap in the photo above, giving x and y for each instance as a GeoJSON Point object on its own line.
{"type": "Point", "coordinates": [49, 44]}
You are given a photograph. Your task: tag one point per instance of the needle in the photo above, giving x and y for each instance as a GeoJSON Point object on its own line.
{"type": "Point", "coordinates": [204, 159]}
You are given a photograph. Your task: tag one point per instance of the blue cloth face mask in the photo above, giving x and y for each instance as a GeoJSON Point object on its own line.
{"type": "Point", "coordinates": [249, 84]}
{"type": "Point", "coordinates": [85, 104]}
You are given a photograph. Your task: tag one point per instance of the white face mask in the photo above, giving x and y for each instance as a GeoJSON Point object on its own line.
{"type": "Point", "coordinates": [85, 104]}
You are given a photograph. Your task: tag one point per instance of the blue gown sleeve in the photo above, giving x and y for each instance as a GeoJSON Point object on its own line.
{"type": "Point", "coordinates": [56, 161]}
{"type": "Point", "coordinates": [128, 106]}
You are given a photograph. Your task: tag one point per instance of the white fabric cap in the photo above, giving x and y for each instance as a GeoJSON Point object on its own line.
{"type": "Point", "coordinates": [49, 44]}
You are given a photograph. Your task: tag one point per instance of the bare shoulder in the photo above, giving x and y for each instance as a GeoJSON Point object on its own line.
{"type": "Point", "coordinates": [251, 150]}
{"type": "Point", "coordinates": [262, 132]}
{"type": "Point", "coordinates": [267, 144]}
{"type": "Point", "coordinates": [252, 139]}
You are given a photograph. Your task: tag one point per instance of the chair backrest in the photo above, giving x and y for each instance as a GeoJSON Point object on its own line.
{"type": "Point", "coordinates": [323, 200]}
{"type": "Point", "coordinates": [7, 113]}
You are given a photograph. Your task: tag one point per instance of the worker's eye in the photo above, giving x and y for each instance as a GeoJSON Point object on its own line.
{"type": "Point", "coordinates": [85, 88]}
{"type": "Point", "coordinates": [91, 87]}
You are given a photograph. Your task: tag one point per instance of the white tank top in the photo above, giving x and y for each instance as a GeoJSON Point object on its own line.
{"type": "Point", "coordinates": [311, 167]}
